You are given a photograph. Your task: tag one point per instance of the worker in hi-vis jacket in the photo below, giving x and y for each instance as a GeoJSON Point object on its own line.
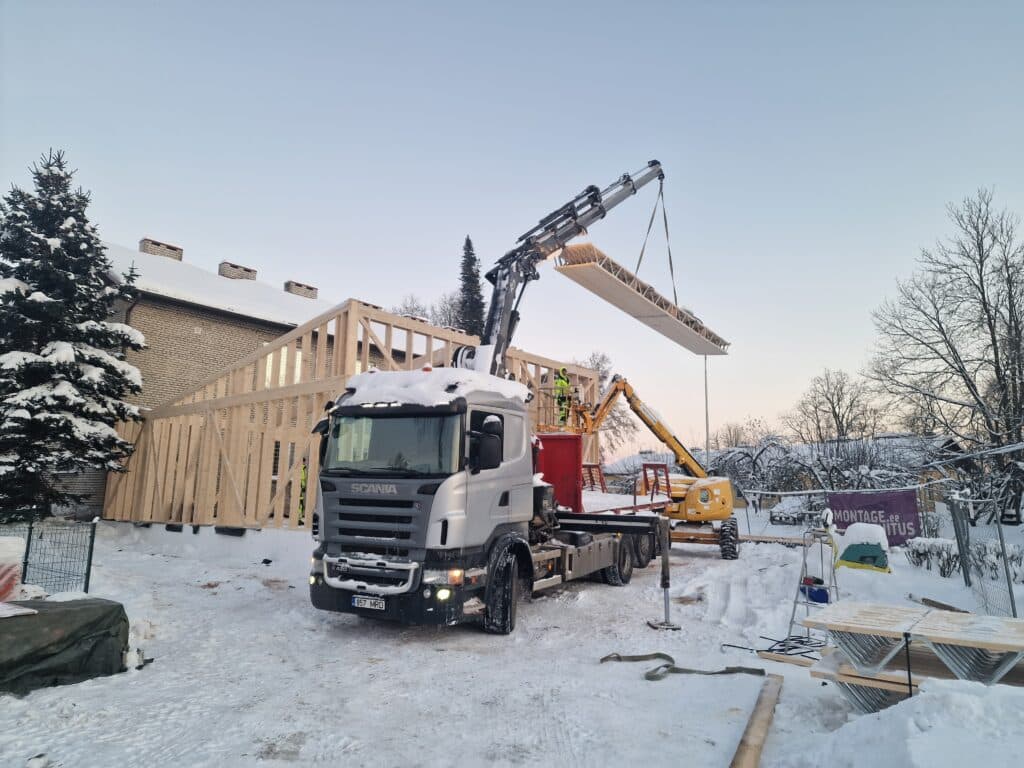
{"type": "Point", "coordinates": [563, 390]}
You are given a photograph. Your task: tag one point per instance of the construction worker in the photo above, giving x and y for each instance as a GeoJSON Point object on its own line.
{"type": "Point", "coordinates": [563, 391]}
{"type": "Point", "coordinates": [303, 479]}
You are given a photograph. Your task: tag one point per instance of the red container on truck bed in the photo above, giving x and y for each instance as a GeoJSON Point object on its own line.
{"type": "Point", "coordinates": [560, 460]}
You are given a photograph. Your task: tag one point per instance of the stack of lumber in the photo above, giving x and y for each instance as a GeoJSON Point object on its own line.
{"type": "Point", "coordinates": [586, 265]}
{"type": "Point", "coordinates": [870, 663]}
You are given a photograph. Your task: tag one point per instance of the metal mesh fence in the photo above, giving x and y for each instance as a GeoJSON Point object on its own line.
{"type": "Point", "coordinates": [984, 562]}
{"type": "Point", "coordinates": [58, 553]}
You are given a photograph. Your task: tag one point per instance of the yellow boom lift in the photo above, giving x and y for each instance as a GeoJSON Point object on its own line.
{"type": "Point", "coordinates": [702, 506]}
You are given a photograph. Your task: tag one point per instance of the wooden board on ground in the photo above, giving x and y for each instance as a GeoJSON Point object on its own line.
{"type": "Point", "coordinates": [589, 267]}
{"type": "Point", "coordinates": [993, 633]}
{"type": "Point", "coordinates": [694, 537]}
{"type": "Point", "coordinates": [785, 658]}
{"type": "Point", "coordinates": [748, 753]}
{"type": "Point", "coordinates": [867, 618]}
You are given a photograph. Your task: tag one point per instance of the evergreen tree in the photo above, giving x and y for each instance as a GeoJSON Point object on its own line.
{"type": "Point", "coordinates": [62, 368]}
{"type": "Point", "coordinates": [471, 298]}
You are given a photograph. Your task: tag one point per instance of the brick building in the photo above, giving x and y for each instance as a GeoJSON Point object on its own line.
{"type": "Point", "coordinates": [196, 322]}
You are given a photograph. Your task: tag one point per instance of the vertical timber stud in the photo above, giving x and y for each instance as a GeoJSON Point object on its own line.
{"type": "Point", "coordinates": [350, 343]}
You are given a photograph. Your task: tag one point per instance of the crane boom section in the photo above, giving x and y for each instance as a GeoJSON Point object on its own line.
{"type": "Point", "coordinates": [650, 419]}
{"type": "Point", "coordinates": [518, 267]}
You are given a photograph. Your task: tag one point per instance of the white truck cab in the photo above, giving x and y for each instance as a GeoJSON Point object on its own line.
{"type": "Point", "coordinates": [426, 502]}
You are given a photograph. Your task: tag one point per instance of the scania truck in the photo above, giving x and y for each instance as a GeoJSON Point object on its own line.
{"type": "Point", "coordinates": [428, 509]}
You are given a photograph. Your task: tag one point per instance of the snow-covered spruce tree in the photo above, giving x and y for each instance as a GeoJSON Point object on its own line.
{"type": "Point", "coordinates": [471, 298]}
{"type": "Point", "coordinates": [62, 368]}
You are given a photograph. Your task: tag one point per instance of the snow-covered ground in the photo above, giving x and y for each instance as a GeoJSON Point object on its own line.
{"type": "Point", "coordinates": [246, 672]}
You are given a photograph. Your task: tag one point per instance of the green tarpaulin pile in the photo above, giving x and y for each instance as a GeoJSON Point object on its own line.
{"type": "Point", "coordinates": [63, 642]}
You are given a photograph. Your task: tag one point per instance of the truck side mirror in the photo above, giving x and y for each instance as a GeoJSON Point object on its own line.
{"type": "Point", "coordinates": [484, 451]}
{"type": "Point", "coordinates": [489, 449]}
{"type": "Point", "coordinates": [322, 428]}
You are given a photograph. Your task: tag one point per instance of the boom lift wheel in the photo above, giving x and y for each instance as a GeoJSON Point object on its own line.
{"type": "Point", "coordinates": [729, 539]}
{"type": "Point", "coordinates": [621, 571]}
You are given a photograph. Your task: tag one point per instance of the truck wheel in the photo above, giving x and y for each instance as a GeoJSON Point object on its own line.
{"type": "Point", "coordinates": [502, 593]}
{"type": "Point", "coordinates": [643, 549]}
{"type": "Point", "coordinates": [621, 571]}
{"type": "Point", "coordinates": [729, 539]}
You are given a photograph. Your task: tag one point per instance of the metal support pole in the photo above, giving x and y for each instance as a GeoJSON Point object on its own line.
{"type": "Point", "coordinates": [910, 679]}
{"type": "Point", "coordinates": [28, 547]}
{"type": "Point", "coordinates": [88, 559]}
{"type": "Point", "coordinates": [707, 418]}
{"type": "Point", "coordinates": [665, 542]}
{"type": "Point", "coordinates": [1006, 568]}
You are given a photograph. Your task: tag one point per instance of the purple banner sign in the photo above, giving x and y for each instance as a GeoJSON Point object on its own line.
{"type": "Point", "coordinates": [895, 511]}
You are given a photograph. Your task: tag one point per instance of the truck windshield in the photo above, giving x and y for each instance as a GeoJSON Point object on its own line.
{"type": "Point", "coordinates": [394, 445]}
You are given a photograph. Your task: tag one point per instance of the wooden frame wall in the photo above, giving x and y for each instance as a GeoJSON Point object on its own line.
{"type": "Point", "coordinates": [232, 451]}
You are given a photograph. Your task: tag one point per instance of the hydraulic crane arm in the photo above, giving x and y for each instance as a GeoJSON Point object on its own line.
{"type": "Point", "coordinates": [649, 417]}
{"type": "Point", "coordinates": [518, 267]}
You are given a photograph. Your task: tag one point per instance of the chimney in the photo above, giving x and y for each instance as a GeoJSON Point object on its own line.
{"type": "Point", "coordinates": [236, 271]}
{"type": "Point", "coordinates": [156, 248]}
{"type": "Point", "coordinates": [300, 289]}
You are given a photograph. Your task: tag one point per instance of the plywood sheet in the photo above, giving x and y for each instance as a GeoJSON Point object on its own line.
{"type": "Point", "coordinates": [867, 618]}
{"type": "Point", "coordinates": [588, 266]}
{"type": "Point", "coordinates": [993, 633]}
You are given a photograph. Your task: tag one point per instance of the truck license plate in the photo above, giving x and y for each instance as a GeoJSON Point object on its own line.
{"type": "Point", "coordinates": [374, 603]}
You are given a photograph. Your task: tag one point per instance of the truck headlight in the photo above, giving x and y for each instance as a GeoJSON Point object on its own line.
{"type": "Point", "coordinates": [443, 594]}
{"type": "Point", "coordinates": [452, 576]}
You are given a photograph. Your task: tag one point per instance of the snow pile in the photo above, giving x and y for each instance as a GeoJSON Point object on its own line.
{"type": "Point", "coordinates": [12, 284]}
{"type": "Point", "coordinates": [435, 387]}
{"type": "Point", "coordinates": [951, 722]}
{"type": "Point", "coordinates": [865, 533]}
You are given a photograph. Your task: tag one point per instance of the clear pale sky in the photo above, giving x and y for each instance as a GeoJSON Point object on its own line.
{"type": "Point", "coordinates": [810, 150]}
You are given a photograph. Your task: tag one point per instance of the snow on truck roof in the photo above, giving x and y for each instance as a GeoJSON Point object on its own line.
{"type": "Point", "coordinates": [437, 386]}
{"type": "Point", "coordinates": [182, 281]}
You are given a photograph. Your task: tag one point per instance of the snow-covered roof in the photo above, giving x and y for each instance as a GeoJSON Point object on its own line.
{"type": "Point", "coordinates": [436, 387]}
{"type": "Point", "coordinates": [180, 280]}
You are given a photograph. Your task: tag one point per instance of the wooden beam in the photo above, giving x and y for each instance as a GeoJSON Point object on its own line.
{"type": "Point", "coordinates": [351, 341]}
{"type": "Point", "coordinates": [335, 384]}
{"type": "Point", "coordinates": [385, 349]}
{"type": "Point", "coordinates": [748, 753]}
{"type": "Point", "coordinates": [228, 479]}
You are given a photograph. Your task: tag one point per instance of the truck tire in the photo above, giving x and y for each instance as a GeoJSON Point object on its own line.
{"type": "Point", "coordinates": [621, 571]}
{"type": "Point", "coordinates": [502, 593]}
{"type": "Point", "coordinates": [643, 549]}
{"type": "Point", "coordinates": [729, 539]}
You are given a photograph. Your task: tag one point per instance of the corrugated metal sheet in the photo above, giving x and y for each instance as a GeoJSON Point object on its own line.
{"type": "Point", "coordinates": [588, 266]}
